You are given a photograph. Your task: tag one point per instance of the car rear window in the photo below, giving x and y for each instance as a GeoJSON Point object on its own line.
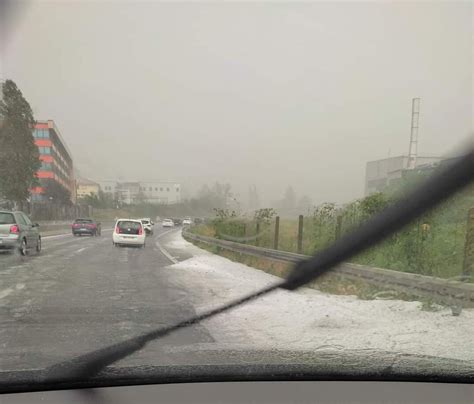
{"type": "Point", "coordinates": [7, 218]}
{"type": "Point", "coordinates": [127, 227]}
{"type": "Point", "coordinates": [83, 221]}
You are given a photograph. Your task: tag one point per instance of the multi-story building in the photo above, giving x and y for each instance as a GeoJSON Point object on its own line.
{"type": "Point", "coordinates": [163, 193]}
{"type": "Point", "coordinates": [85, 187]}
{"type": "Point", "coordinates": [109, 187]}
{"type": "Point", "coordinates": [381, 173]}
{"type": "Point", "coordinates": [158, 192]}
{"type": "Point", "coordinates": [56, 160]}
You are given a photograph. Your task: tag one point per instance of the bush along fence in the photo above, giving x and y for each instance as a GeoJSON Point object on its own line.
{"type": "Point", "coordinates": [437, 244]}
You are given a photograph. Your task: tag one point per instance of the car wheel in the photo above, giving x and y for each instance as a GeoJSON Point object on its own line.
{"type": "Point", "coordinates": [38, 245]}
{"type": "Point", "coordinates": [23, 249]}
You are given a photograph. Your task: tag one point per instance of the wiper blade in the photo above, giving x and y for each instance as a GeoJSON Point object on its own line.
{"type": "Point", "coordinates": [432, 192]}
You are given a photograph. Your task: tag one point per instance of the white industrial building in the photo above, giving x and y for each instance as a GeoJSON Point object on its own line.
{"type": "Point", "coordinates": [381, 173]}
{"type": "Point", "coordinates": [128, 192]}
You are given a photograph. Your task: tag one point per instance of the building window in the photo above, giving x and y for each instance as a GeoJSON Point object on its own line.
{"type": "Point", "coordinates": [167, 190]}
{"type": "Point", "coordinates": [177, 189]}
{"type": "Point", "coordinates": [161, 189]}
{"type": "Point", "coordinates": [44, 150]}
{"type": "Point", "coordinates": [150, 189]}
{"type": "Point", "coordinates": [156, 188]}
{"type": "Point", "coordinates": [41, 133]}
{"type": "Point", "coordinates": [46, 166]}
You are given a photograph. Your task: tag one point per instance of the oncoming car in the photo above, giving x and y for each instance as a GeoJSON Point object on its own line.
{"type": "Point", "coordinates": [167, 223]}
{"type": "Point", "coordinates": [128, 232]}
{"type": "Point", "coordinates": [187, 221]}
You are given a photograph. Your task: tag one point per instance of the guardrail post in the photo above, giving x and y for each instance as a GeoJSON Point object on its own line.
{"type": "Point", "coordinates": [300, 234]}
{"type": "Point", "coordinates": [338, 227]}
{"type": "Point", "coordinates": [245, 233]}
{"type": "Point", "coordinates": [277, 232]}
{"type": "Point", "coordinates": [468, 265]}
{"type": "Point", "coordinates": [257, 235]}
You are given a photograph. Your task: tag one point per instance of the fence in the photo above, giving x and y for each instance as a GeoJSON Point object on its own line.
{"type": "Point", "coordinates": [429, 246]}
{"type": "Point", "coordinates": [53, 211]}
{"type": "Point", "coordinates": [451, 292]}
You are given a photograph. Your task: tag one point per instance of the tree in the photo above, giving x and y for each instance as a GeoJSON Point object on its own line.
{"type": "Point", "coordinates": [373, 204]}
{"type": "Point", "coordinates": [215, 197]}
{"type": "Point", "coordinates": [253, 202]}
{"type": "Point", "coordinates": [288, 203]}
{"type": "Point", "coordinates": [57, 193]}
{"type": "Point", "coordinates": [304, 205]}
{"type": "Point", "coordinates": [19, 157]}
{"type": "Point", "coordinates": [264, 215]}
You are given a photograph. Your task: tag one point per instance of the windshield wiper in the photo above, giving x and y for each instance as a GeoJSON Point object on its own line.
{"type": "Point", "coordinates": [432, 192]}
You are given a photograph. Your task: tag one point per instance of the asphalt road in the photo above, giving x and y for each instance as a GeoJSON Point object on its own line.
{"type": "Point", "coordinates": [81, 293]}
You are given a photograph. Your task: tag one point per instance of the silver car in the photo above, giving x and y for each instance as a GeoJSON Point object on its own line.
{"type": "Point", "coordinates": [18, 232]}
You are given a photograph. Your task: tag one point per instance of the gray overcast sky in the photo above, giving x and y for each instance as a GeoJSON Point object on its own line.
{"type": "Point", "coordinates": [247, 93]}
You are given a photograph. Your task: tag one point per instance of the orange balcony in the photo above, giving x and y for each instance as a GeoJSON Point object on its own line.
{"type": "Point", "coordinates": [45, 174]}
{"type": "Point", "coordinates": [43, 142]}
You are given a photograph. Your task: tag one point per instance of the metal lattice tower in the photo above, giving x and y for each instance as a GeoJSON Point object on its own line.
{"type": "Point", "coordinates": [415, 117]}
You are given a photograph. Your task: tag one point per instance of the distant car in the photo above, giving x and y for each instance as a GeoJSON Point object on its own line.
{"type": "Point", "coordinates": [167, 223]}
{"type": "Point", "coordinates": [128, 232]}
{"type": "Point", "coordinates": [86, 226]}
{"type": "Point", "coordinates": [147, 225]}
{"type": "Point", "coordinates": [198, 220]}
{"type": "Point", "coordinates": [177, 221]}
{"type": "Point", "coordinates": [187, 221]}
{"type": "Point", "coordinates": [18, 232]}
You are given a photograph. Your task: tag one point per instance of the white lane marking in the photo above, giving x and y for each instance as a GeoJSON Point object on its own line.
{"type": "Point", "coordinates": [19, 286]}
{"type": "Point", "coordinates": [164, 252]}
{"type": "Point", "coordinates": [57, 236]}
{"type": "Point", "coordinates": [81, 250]}
{"type": "Point", "coordinates": [165, 232]}
{"type": "Point", "coordinates": [5, 292]}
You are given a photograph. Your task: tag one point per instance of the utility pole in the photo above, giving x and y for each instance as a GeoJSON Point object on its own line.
{"type": "Point", "coordinates": [413, 149]}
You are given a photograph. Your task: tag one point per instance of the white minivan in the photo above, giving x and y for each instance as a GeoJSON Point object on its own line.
{"type": "Point", "coordinates": [128, 232]}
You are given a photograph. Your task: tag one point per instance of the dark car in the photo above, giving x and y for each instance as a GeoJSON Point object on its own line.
{"type": "Point", "coordinates": [177, 222]}
{"type": "Point", "coordinates": [86, 226]}
{"type": "Point", "coordinates": [17, 231]}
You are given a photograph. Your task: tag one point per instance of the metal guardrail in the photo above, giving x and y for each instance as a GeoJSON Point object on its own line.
{"type": "Point", "coordinates": [451, 292]}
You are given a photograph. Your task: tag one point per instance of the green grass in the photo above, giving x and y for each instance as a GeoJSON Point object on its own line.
{"type": "Point", "coordinates": [437, 252]}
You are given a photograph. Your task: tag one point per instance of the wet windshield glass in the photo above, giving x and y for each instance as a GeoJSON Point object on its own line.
{"type": "Point", "coordinates": [174, 156]}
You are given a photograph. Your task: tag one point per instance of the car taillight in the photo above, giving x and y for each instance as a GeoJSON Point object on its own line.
{"type": "Point", "coordinates": [14, 229]}
{"type": "Point", "coordinates": [117, 230]}
{"type": "Point", "coordinates": [75, 225]}
{"type": "Point", "coordinates": [140, 230]}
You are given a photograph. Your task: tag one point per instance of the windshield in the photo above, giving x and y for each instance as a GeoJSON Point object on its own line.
{"type": "Point", "coordinates": [83, 221]}
{"type": "Point", "coordinates": [257, 135]}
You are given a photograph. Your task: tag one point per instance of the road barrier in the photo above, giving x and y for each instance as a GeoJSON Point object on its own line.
{"type": "Point", "coordinates": [445, 291]}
